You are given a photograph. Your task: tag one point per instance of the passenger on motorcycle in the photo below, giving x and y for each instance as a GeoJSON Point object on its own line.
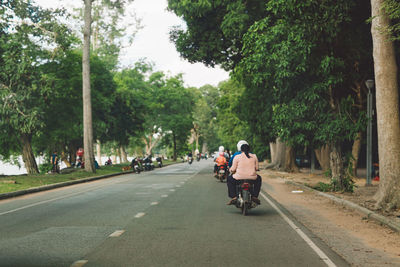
{"type": "Point", "coordinates": [221, 161]}
{"type": "Point", "coordinates": [244, 167]}
{"type": "Point", "coordinates": [239, 144]}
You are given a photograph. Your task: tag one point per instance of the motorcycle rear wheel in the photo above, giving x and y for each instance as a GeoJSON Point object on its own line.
{"type": "Point", "coordinates": [244, 209]}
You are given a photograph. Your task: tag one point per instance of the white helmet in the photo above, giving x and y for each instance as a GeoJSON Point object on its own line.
{"type": "Point", "coordinates": [240, 143]}
{"type": "Point", "coordinates": [221, 149]}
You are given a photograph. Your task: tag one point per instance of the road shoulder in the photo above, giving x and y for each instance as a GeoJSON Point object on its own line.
{"type": "Point", "coordinates": [362, 242]}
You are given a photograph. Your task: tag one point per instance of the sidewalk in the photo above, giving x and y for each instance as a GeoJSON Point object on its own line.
{"type": "Point", "coordinates": [343, 221]}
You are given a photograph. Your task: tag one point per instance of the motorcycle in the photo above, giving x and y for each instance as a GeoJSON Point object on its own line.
{"type": "Point", "coordinates": [135, 166]}
{"type": "Point", "coordinates": [198, 158]}
{"type": "Point", "coordinates": [190, 160]}
{"type": "Point", "coordinates": [222, 174]}
{"type": "Point", "coordinates": [159, 162]}
{"type": "Point", "coordinates": [244, 201]}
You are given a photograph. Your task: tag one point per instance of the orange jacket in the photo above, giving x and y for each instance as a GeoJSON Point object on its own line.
{"type": "Point", "coordinates": [221, 160]}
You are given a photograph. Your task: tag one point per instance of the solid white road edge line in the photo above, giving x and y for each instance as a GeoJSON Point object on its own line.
{"type": "Point", "coordinates": [317, 250]}
{"type": "Point", "coordinates": [79, 263]}
{"type": "Point", "coordinates": [117, 233]}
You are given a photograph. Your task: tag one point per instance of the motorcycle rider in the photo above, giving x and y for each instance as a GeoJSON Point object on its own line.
{"type": "Point", "coordinates": [244, 167]}
{"type": "Point", "coordinates": [239, 144]}
{"type": "Point", "coordinates": [221, 161]}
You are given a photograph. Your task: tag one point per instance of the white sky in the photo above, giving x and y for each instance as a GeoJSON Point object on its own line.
{"type": "Point", "coordinates": [152, 42]}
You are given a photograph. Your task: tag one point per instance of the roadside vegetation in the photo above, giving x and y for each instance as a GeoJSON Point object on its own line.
{"type": "Point", "coordinates": [297, 86]}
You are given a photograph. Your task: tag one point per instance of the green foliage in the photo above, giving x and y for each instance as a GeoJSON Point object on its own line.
{"type": "Point", "coordinates": [392, 8]}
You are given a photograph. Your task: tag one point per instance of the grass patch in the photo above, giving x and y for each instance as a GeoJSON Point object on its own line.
{"type": "Point", "coordinates": [23, 182]}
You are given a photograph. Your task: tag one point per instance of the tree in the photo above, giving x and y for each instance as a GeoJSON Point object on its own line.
{"type": "Point", "coordinates": [176, 119]}
{"type": "Point", "coordinates": [387, 105]}
{"type": "Point", "coordinates": [214, 29]}
{"type": "Point", "coordinates": [25, 35]}
{"type": "Point", "coordinates": [86, 93]}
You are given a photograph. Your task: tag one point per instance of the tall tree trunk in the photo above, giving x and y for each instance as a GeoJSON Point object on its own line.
{"type": "Point", "coordinates": [27, 154]}
{"type": "Point", "coordinates": [87, 102]}
{"type": "Point", "coordinates": [114, 157]}
{"type": "Point", "coordinates": [387, 107]}
{"type": "Point", "coordinates": [278, 154]}
{"type": "Point", "coordinates": [124, 155]}
{"type": "Point", "coordinates": [174, 139]}
{"type": "Point", "coordinates": [204, 148]}
{"type": "Point", "coordinates": [98, 149]}
{"type": "Point", "coordinates": [323, 156]}
{"type": "Point", "coordinates": [337, 167]}
{"type": "Point", "coordinates": [118, 150]}
{"type": "Point", "coordinates": [290, 161]}
{"type": "Point", "coordinates": [355, 152]}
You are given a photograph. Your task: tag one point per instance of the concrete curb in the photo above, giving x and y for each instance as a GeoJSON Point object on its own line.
{"type": "Point", "coordinates": [57, 185]}
{"type": "Point", "coordinates": [368, 213]}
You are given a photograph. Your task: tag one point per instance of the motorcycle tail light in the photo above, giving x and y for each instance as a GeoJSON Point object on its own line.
{"type": "Point", "coordinates": [245, 186]}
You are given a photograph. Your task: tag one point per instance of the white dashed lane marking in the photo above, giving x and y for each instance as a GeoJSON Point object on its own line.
{"type": "Point", "coordinates": [117, 233]}
{"type": "Point", "coordinates": [140, 214]}
{"type": "Point", "coordinates": [79, 263]}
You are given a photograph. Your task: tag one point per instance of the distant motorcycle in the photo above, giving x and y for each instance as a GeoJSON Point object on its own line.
{"type": "Point", "coordinates": [159, 162]}
{"type": "Point", "coordinates": [190, 160]}
{"type": "Point", "coordinates": [221, 174]}
{"type": "Point", "coordinates": [244, 202]}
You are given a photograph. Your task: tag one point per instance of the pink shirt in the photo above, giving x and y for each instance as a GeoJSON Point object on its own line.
{"type": "Point", "coordinates": [245, 167]}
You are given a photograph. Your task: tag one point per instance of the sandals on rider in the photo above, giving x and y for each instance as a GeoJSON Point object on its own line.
{"type": "Point", "coordinates": [232, 201]}
{"type": "Point", "coordinates": [256, 200]}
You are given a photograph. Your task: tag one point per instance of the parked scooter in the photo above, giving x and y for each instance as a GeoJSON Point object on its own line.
{"type": "Point", "coordinates": [244, 201]}
{"type": "Point", "coordinates": [135, 166]}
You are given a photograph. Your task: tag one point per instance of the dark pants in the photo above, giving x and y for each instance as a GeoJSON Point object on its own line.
{"type": "Point", "coordinates": [232, 183]}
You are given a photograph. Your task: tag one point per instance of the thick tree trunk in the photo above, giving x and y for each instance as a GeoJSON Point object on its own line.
{"type": "Point", "coordinates": [337, 168]}
{"type": "Point", "coordinates": [290, 161]}
{"type": "Point", "coordinates": [387, 107]}
{"type": "Point", "coordinates": [174, 140]}
{"type": "Point", "coordinates": [323, 156]}
{"type": "Point", "coordinates": [98, 149]}
{"type": "Point", "coordinates": [150, 143]}
{"type": "Point", "coordinates": [114, 157]}
{"type": "Point", "coordinates": [72, 154]}
{"type": "Point", "coordinates": [27, 154]}
{"type": "Point", "coordinates": [204, 148]}
{"type": "Point", "coordinates": [355, 152]}
{"type": "Point", "coordinates": [87, 101]}
{"type": "Point", "coordinates": [118, 150]}
{"type": "Point", "coordinates": [124, 155]}
{"type": "Point", "coordinates": [278, 154]}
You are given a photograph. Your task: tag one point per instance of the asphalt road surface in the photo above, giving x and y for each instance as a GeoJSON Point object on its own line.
{"type": "Point", "coordinates": [173, 216]}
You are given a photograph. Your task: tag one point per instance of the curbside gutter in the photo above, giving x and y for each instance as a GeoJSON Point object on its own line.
{"type": "Point", "coordinates": [57, 185]}
{"type": "Point", "coordinates": [392, 224]}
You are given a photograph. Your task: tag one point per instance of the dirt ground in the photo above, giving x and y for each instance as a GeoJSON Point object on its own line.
{"type": "Point", "coordinates": [360, 241]}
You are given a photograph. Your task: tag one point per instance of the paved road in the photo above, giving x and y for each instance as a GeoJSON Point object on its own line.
{"type": "Point", "coordinates": [174, 216]}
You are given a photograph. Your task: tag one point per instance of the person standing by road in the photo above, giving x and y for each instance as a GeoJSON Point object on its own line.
{"type": "Point", "coordinates": [54, 162]}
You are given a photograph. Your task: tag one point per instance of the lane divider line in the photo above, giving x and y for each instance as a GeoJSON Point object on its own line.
{"type": "Point", "coordinates": [164, 196]}
{"type": "Point", "coordinates": [317, 250]}
{"type": "Point", "coordinates": [140, 215]}
{"type": "Point", "coordinates": [79, 263]}
{"type": "Point", "coordinates": [172, 190]}
{"type": "Point", "coordinates": [117, 233]}
{"type": "Point", "coordinates": [154, 203]}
